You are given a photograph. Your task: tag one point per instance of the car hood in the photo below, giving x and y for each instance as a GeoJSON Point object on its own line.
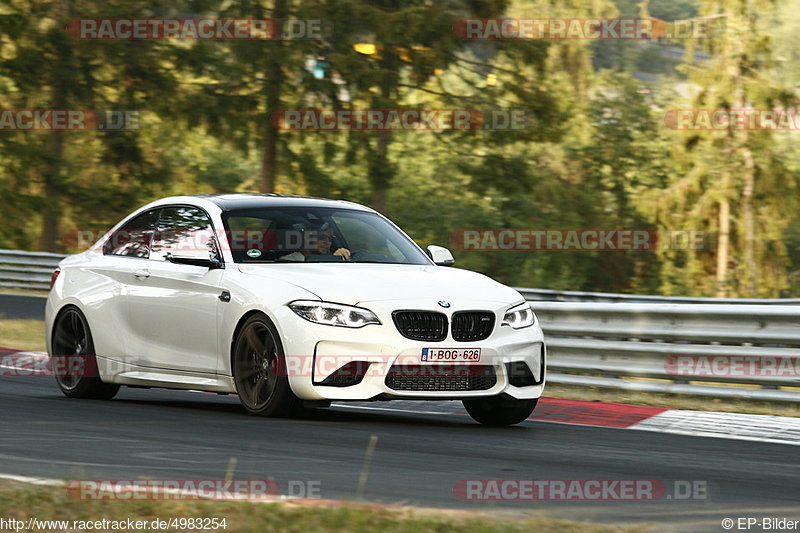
{"type": "Point", "coordinates": [361, 283]}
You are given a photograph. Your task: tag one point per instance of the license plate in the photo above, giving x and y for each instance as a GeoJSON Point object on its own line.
{"type": "Point", "coordinates": [451, 355]}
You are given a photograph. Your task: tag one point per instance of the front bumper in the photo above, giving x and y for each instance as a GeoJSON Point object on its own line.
{"type": "Point", "coordinates": [315, 352]}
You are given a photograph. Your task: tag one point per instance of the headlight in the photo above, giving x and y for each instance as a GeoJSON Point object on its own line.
{"type": "Point", "coordinates": [520, 316]}
{"type": "Point", "coordinates": [334, 314]}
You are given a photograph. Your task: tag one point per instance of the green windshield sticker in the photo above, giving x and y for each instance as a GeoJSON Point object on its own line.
{"type": "Point", "coordinates": [254, 253]}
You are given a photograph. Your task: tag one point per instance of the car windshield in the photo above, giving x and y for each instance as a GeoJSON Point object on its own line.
{"type": "Point", "coordinates": [316, 235]}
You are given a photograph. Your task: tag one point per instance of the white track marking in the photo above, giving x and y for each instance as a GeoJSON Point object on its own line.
{"type": "Point", "coordinates": [186, 493]}
{"type": "Point", "coordinates": [43, 357]}
{"type": "Point", "coordinates": [761, 428]}
{"type": "Point", "coordinates": [33, 480]}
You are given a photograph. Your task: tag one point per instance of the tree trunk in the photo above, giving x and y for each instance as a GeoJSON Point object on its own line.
{"type": "Point", "coordinates": [723, 244]}
{"type": "Point", "coordinates": [273, 85]}
{"type": "Point", "coordinates": [51, 214]}
{"type": "Point", "coordinates": [751, 274]}
{"type": "Point", "coordinates": [380, 171]}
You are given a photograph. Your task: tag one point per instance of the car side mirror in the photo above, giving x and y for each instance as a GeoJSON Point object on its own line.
{"type": "Point", "coordinates": [440, 255]}
{"type": "Point", "coordinates": [195, 258]}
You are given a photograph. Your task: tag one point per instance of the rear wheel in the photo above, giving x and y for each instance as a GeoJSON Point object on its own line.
{"type": "Point", "coordinates": [73, 358]}
{"type": "Point", "coordinates": [259, 370]}
{"type": "Point", "coordinates": [499, 410]}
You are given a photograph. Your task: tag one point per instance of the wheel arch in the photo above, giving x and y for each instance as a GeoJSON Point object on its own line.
{"type": "Point", "coordinates": [57, 315]}
{"type": "Point", "coordinates": [248, 315]}
{"type": "Point", "coordinates": [244, 318]}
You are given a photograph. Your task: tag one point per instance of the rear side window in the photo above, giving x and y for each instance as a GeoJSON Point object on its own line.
{"type": "Point", "coordinates": [133, 238]}
{"type": "Point", "coordinates": [182, 228]}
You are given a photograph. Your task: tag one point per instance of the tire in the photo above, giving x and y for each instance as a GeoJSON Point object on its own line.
{"type": "Point", "coordinates": [259, 370]}
{"type": "Point", "coordinates": [73, 358]}
{"type": "Point", "coordinates": [499, 410]}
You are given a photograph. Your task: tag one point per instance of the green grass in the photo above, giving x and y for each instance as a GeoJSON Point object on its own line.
{"type": "Point", "coordinates": [22, 334]}
{"type": "Point", "coordinates": [52, 503]}
{"type": "Point", "coordinates": [29, 292]}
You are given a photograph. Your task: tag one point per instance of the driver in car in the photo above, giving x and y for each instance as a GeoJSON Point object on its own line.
{"type": "Point", "coordinates": [318, 242]}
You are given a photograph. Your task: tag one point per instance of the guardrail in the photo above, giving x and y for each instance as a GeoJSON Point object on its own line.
{"type": "Point", "coordinates": [739, 351]}
{"type": "Point", "coordinates": [547, 295]}
{"type": "Point", "coordinates": [27, 270]}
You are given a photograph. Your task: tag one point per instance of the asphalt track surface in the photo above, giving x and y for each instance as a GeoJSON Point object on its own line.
{"type": "Point", "coordinates": [22, 306]}
{"type": "Point", "coordinates": [418, 459]}
{"type": "Point", "coordinates": [423, 450]}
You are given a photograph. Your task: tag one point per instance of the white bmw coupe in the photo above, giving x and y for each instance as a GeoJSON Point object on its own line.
{"type": "Point", "coordinates": [289, 302]}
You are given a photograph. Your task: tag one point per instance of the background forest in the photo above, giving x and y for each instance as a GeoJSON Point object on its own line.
{"type": "Point", "coordinates": [597, 153]}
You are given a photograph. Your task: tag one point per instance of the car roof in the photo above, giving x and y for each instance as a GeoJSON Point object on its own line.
{"type": "Point", "coordinates": [235, 201]}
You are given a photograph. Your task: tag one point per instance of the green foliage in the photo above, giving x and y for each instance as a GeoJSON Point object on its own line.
{"type": "Point", "coordinates": [730, 178]}
{"type": "Point", "coordinates": [595, 153]}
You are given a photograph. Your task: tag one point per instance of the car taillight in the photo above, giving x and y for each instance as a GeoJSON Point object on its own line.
{"type": "Point", "coordinates": [54, 277]}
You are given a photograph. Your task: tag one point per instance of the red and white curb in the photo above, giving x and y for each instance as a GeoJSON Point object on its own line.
{"type": "Point", "coordinates": [761, 428]}
{"type": "Point", "coordinates": [588, 413]}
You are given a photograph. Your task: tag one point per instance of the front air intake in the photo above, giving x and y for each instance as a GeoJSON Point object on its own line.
{"type": "Point", "coordinates": [441, 378]}
{"type": "Point", "coordinates": [347, 375]}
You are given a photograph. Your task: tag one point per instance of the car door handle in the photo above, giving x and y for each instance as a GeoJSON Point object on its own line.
{"type": "Point", "coordinates": [142, 274]}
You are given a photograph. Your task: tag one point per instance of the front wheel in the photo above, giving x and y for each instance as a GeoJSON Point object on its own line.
{"type": "Point", "coordinates": [499, 410]}
{"type": "Point", "coordinates": [259, 370]}
{"type": "Point", "coordinates": [73, 358]}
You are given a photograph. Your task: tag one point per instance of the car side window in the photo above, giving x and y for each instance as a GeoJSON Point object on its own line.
{"type": "Point", "coordinates": [182, 228]}
{"type": "Point", "coordinates": [249, 232]}
{"type": "Point", "coordinates": [133, 238]}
